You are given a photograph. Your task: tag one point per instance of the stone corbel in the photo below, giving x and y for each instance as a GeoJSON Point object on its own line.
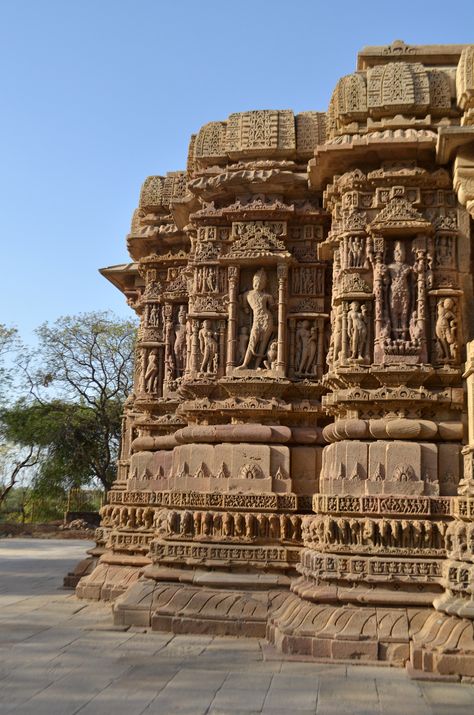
{"type": "Point", "coordinates": [463, 177]}
{"type": "Point", "coordinates": [458, 143]}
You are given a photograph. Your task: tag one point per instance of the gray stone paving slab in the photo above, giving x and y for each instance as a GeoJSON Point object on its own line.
{"type": "Point", "coordinates": [188, 679]}
{"type": "Point", "coordinates": [406, 697]}
{"type": "Point", "coordinates": [61, 656]}
{"type": "Point", "coordinates": [248, 681]}
{"type": "Point", "coordinates": [117, 701]}
{"type": "Point", "coordinates": [238, 699]}
{"type": "Point", "coordinates": [236, 644]}
{"type": "Point", "coordinates": [448, 695]}
{"type": "Point", "coordinates": [189, 703]}
{"type": "Point", "coordinates": [362, 690]}
{"type": "Point", "coordinates": [294, 698]}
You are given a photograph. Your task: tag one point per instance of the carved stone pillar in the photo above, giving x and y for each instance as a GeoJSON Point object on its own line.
{"type": "Point", "coordinates": [291, 360]}
{"type": "Point", "coordinates": [189, 333]}
{"type": "Point", "coordinates": [458, 571]}
{"type": "Point", "coordinates": [320, 354]}
{"type": "Point", "coordinates": [344, 333]}
{"type": "Point", "coordinates": [282, 274]}
{"type": "Point", "coordinates": [377, 265]}
{"type": "Point", "coordinates": [221, 367]}
{"type": "Point", "coordinates": [139, 375]}
{"type": "Point", "coordinates": [168, 329]}
{"type": "Point", "coordinates": [420, 257]}
{"type": "Point", "coordinates": [195, 347]}
{"type": "Point", "coordinates": [233, 277]}
{"type": "Point", "coordinates": [466, 485]}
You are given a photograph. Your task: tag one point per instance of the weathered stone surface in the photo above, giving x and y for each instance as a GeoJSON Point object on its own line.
{"type": "Point", "coordinates": [302, 337]}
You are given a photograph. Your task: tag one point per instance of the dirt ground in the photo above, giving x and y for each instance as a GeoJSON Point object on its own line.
{"type": "Point", "coordinates": [50, 530]}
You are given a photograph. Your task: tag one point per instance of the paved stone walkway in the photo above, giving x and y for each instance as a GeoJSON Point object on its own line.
{"type": "Point", "coordinates": [60, 656]}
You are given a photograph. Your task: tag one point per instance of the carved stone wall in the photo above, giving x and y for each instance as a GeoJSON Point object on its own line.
{"type": "Point", "coordinates": [298, 417]}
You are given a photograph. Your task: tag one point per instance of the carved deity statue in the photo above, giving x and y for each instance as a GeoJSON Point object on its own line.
{"type": "Point", "coordinates": [357, 330]}
{"type": "Point", "coordinates": [180, 348]}
{"type": "Point", "coordinates": [399, 293]}
{"type": "Point", "coordinates": [208, 347]}
{"type": "Point", "coordinates": [262, 325]}
{"type": "Point", "coordinates": [307, 339]}
{"type": "Point", "coordinates": [272, 354]}
{"type": "Point", "coordinates": [189, 337]}
{"type": "Point", "coordinates": [154, 316]}
{"type": "Point", "coordinates": [210, 279]}
{"type": "Point", "coordinates": [151, 373]}
{"type": "Point", "coordinates": [446, 329]}
{"type": "Point", "coordinates": [415, 328]}
{"type": "Point", "coordinates": [335, 340]}
{"type": "Point", "coordinates": [302, 342]}
{"type": "Point", "coordinates": [356, 251]}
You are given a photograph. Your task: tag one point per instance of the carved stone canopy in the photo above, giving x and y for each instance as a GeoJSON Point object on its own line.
{"type": "Point", "coordinates": [257, 242]}
{"type": "Point", "coordinates": [399, 217]}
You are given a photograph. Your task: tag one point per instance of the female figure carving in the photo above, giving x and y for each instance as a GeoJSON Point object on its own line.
{"type": "Point", "coordinates": [208, 347]}
{"type": "Point", "coordinates": [446, 328]}
{"type": "Point", "coordinates": [180, 342]}
{"type": "Point", "coordinates": [309, 344]}
{"type": "Point", "coordinates": [151, 374]}
{"type": "Point", "coordinates": [357, 330]}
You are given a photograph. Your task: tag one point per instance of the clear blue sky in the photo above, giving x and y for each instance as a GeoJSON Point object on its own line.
{"type": "Point", "coordinates": [98, 94]}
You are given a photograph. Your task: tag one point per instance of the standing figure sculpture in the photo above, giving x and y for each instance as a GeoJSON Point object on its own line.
{"type": "Point", "coordinates": [303, 334]}
{"type": "Point", "coordinates": [446, 329]}
{"type": "Point", "coordinates": [399, 293]}
{"type": "Point", "coordinates": [210, 279]}
{"type": "Point", "coordinates": [262, 324]}
{"type": "Point", "coordinates": [151, 373]}
{"type": "Point", "coordinates": [356, 252]}
{"type": "Point", "coordinates": [307, 339]}
{"type": "Point", "coordinates": [357, 330]}
{"type": "Point", "coordinates": [153, 316]}
{"type": "Point", "coordinates": [335, 339]}
{"type": "Point", "coordinates": [180, 347]}
{"type": "Point", "coordinates": [208, 347]}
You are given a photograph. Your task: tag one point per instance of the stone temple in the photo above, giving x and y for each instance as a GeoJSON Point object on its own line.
{"type": "Point", "coordinates": [297, 453]}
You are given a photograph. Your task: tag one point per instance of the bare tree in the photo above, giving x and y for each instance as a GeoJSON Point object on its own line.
{"type": "Point", "coordinates": [9, 344]}
{"type": "Point", "coordinates": [11, 472]}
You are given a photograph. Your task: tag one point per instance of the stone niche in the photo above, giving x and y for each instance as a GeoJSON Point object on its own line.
{"type": "Point", "coordinates": [296, 460]}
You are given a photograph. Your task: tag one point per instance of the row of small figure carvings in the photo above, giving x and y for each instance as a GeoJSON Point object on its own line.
{"type": "Point", "coordinates": [206, 524]}
{"type": "Point", "coordinates": [212, 500]}
{"type": "Point", "coordinates": [326, 531]}
{"type": "Point", "coordinates": [460, 541]}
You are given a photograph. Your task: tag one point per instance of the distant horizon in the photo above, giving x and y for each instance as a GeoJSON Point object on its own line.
{"type": "Point", "coordinates": [97, 96]}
